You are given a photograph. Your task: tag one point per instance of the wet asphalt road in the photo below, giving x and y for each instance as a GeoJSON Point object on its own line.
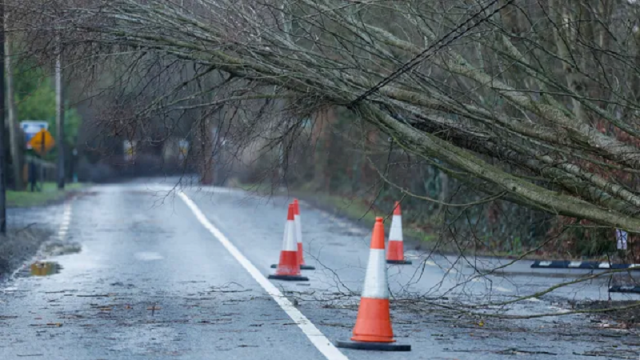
{"type": "Point", "coordinates": [152, 282]}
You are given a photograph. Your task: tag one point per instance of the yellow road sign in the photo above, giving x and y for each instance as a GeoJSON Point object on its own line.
{"type": "Point", "coordinates": [42, 142]}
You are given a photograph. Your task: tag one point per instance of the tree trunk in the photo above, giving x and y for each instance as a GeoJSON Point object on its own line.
{"type": "Point", "coordinates": [321, 139]}
{"type": "Point", "coordinates": [16, 151]}
{"type": "Point", "coordinates": [564, 36]}
{"type": "Point", "coordinates": [60, 117]}
{"type": "Point", "coordinates": [206, 152]}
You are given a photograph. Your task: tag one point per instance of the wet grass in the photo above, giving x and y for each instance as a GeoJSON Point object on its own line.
{"type": "Point", "coordinates": [49, 194]}
{"type": "Point", "coordinates": [359, 211]}
{"type": "Point", "coordinates": [339, 205]}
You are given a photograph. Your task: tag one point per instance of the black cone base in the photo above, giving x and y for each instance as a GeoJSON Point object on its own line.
{"type": "Point", "coordinates": [372, 346]}
{"type": "Point", "coordinates": [302, 267]}
{"type": "Point", "coordinates": [399, 262]}
{"type": "Point", "coordinates": [289, 277]}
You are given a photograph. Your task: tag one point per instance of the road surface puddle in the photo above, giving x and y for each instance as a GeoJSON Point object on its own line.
{"type": "Point", "coordinates": [45, 268]}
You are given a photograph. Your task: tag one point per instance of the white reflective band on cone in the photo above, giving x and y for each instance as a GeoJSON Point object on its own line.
{"type": "Point", "coordinates": [375, 282]}
{"type": "Point", "coordinates": [296, 219]}
{"type": "Point", "coordinates": [289, 241]}
{"type": "Point", "coordinates": [396, 228]}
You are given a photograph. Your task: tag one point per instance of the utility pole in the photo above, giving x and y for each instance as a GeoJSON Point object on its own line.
{"type": "Point", "coordinates": [16, 158]}
{"type": "Point", "coordinates": [16, 151]}
{"type": "Point", "coordinates": [3, 194]}
{"type": "Point", "coordinates": [60, 115]}
{"type": "Point", "coordinates": [206, 145]}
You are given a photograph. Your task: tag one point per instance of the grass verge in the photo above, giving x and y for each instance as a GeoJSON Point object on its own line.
{"type": "Point", "coordinates": [359, 211]}
{"type": "Point", "coordinates": [49, 194]}
{"type": "Point", "coordinates": [352, 208]}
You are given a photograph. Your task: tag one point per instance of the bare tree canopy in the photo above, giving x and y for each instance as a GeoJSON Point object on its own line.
{"type": "Point", "coordinates": [537, 103]}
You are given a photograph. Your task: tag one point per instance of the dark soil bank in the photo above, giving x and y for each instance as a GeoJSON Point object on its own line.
{"type": "Point", "coordinates": [18, 246]}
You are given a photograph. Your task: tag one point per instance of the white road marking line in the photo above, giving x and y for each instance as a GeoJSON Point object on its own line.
{"type": "Point", "coordinates": [311, 331]}
{"type": "Point", "coordinates": [66, 221]}
{"type": "Point", "coordinates": [575, 264]}
{"type": "Point", "coordinates": [430, 263]}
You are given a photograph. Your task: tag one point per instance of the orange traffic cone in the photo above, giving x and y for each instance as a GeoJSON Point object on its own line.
{"type": "Point", "coordinates": [288, 267]}
{"type": "Point", "coordinates": [396, 243]}
{"type": "Point", "coordinates": [298, 231]}
{"type": "Point", "coordinates": [373, 325]}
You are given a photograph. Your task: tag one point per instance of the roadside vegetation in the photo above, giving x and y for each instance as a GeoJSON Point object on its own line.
{"type": "Point", "coordinates": [48, 194]}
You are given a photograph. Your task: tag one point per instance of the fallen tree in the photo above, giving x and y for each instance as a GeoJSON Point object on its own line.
{"type": "Point", "coordinates": [535, 102]}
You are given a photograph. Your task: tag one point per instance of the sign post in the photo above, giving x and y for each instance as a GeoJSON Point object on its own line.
{"type": "Point", "coordinates": [30, 128]}
{"type": "Point", "coordinates": [41, 143]}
